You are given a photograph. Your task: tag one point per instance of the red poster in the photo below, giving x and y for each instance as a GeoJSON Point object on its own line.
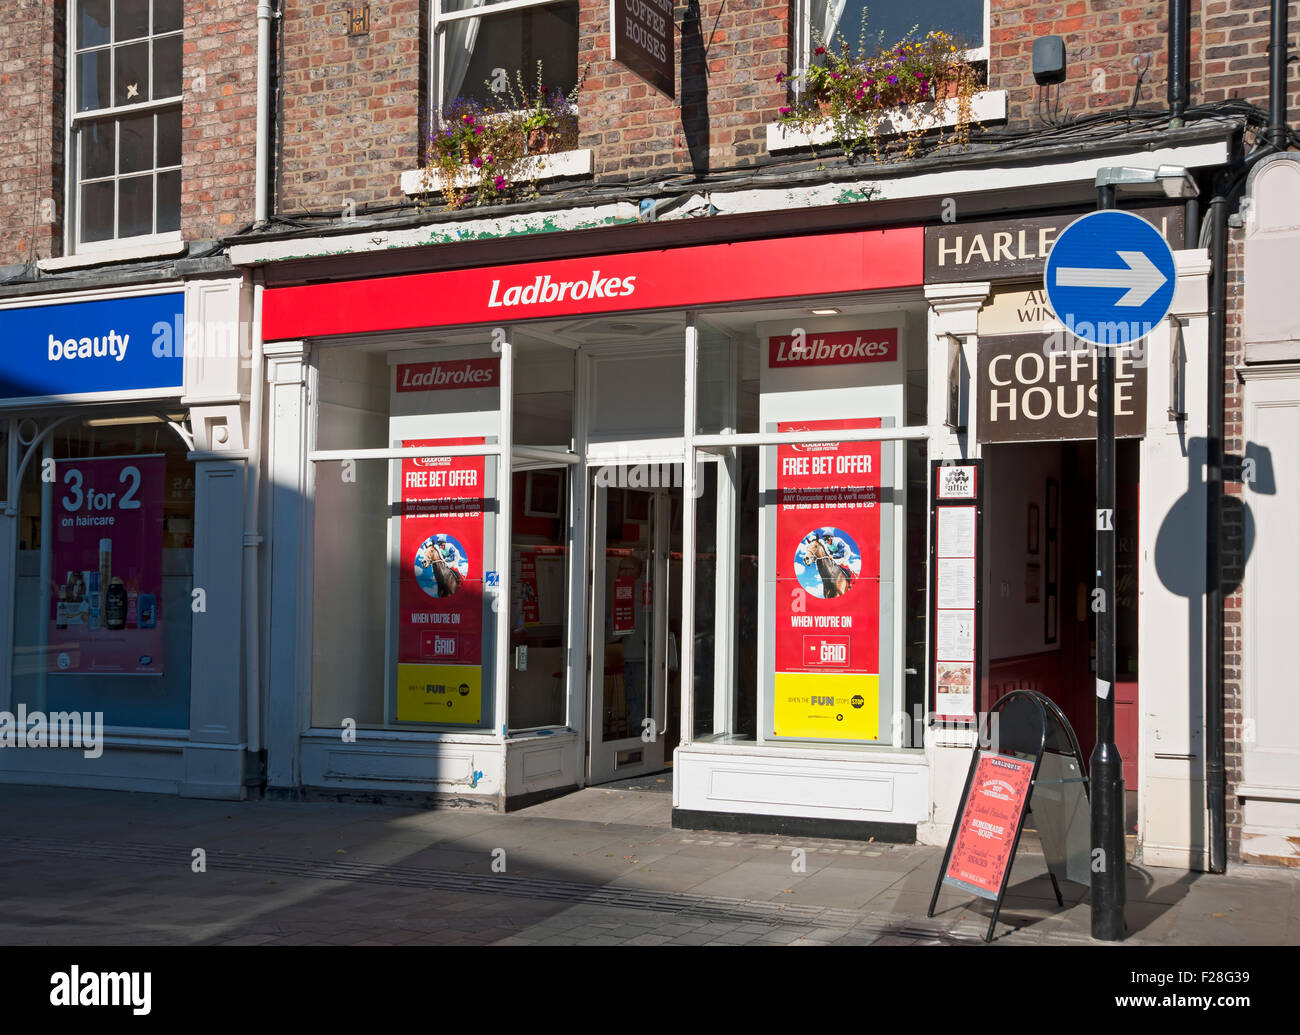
{"type": "Point", "coordinates": [440, 587]}
{"type": "Point", "coordinates": [624, 605]}
{"type": "Point", "coordinates": [989, 823]}
{"type": "Point", "coordinates": [828, 585]}
{"type": "Point", "coordinates": [528, 588]}
{"type": "Point", "coordinates": [106, 559]}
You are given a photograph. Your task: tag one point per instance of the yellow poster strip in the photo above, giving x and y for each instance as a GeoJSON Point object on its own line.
{"type": "Point", "coordinates": [830, 705]}
{"type": "Point", "coordinates": [445, 694]}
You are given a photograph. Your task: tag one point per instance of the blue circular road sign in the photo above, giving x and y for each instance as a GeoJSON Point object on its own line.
{"type": "Point", "coordinates": [1110, 277]}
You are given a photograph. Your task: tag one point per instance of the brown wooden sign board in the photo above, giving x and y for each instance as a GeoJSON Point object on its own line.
{"type": "Point", "coordinates": [1007, 248]}
{"type": "Point", "coordinates": [1042, 387]}
{"type": "Point", "coordinates": [641, 39]}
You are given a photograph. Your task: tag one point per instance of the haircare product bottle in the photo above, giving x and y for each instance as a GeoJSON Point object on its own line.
{"type": "Point", "coordinates": [115, 605]}
{"type": "Point", "coordinates": [105, 564]}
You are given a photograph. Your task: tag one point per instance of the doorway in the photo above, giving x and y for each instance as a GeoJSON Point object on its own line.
{"type": "Point", "coordinates": [634, 681]}
{"type": "Point", "coordinates": [1041, 536]}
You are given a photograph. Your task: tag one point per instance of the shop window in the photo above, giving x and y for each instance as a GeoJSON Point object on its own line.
{"type": "Point", "coordinates": [103, 595]}
{"type": "Point", "coordinates": [810, 573]}
{"type": "Point", "coordinates": [479, 50]}
{"type": "Point", "coordinates": [404, 579]}
{"type": "Point", "coordinates": [825, 22]}
{"type": "Point", "coordinates": [539, 600]}
{"type": "Point", "coordinates": [125, 133]}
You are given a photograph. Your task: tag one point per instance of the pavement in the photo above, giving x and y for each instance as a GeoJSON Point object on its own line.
{"type": "Point", "coordinates": [601, 866]}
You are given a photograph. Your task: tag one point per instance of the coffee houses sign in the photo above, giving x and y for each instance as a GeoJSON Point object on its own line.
{"type": "Point", "coordinates": [641, 38]}
{"type": "Point", "coordinates": [1037, 387]}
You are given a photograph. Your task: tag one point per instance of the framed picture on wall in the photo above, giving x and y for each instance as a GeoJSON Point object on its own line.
{"type": "Point", "coordinates": [543, 494]}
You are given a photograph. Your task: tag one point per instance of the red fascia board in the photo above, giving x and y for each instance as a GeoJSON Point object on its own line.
{"type": "Point", "coordinates": [710, 274]}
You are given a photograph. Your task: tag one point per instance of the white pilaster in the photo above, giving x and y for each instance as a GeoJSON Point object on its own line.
{"type": "Point", "coordinates": [288, 509]}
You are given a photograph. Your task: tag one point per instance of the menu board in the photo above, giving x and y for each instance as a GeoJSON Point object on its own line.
{"type": "Point", "coordinates": [986, 834]}
{"type": "Point", "coordinates": [955, 567]}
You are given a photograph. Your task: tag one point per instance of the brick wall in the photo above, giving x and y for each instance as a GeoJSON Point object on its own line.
{"type": "Point", "coordinates": [218, 118]}
{"type": "Point", "coordinates": [1103, 40]}
{"type": "Point", "coordinates": [1233, 556]}
{"type": "Point", "coordinates": [351, 106]}
{"type": "Point", "coordinates": [1236, 54]}
{"type": "Point", "coordinates": [728, 58]}
{"type": "Point", "coordinates": [31, 160]}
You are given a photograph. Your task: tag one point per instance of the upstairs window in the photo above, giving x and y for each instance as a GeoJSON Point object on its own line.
{"type": "Point", "coordinates": [479, 44]}
{"type": "Point", "coordinates": [825, 21]}
{"type": "Point", "coordinates": [124, 151]}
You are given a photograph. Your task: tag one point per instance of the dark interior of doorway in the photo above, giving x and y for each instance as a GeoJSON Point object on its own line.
{"type": "Point", "coordinates": [1041, 540]}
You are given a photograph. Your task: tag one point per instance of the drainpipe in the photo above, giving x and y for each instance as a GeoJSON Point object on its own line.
{"type": "Point", "coordinates": [1178, 47]}
{"type": "Point", "coordinates": [1277, 127]}
{"type": "Point", "coordinates": [252, 537]}
{"type": "Point", "coordinates": [263, 109]}
{"type": "Point", "coordinates": [1215, 776]}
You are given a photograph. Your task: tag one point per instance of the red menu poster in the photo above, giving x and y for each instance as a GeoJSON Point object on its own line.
{"type": "Point", "coordinates": [986, 835]}
{"type": "Point", "coordinates": [106, 556]}
{"type": "Point", "coordinates": [827, 564]}
{"type": "Point", "coordinates": [440, 587]}
{"type": "Point", "coordinates": [623, 611]}
{"type": "Point", "coordinates": [529, 607]}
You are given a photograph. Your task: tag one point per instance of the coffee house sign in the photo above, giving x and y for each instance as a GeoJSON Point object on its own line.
{"type": "Point", "coordinates": [1039, 387]}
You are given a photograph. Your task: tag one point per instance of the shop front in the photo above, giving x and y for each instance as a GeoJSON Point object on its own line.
{"type": "Point", "coordinates": [545, 525]}
{"type": "Point", "coordinates": [551, 524]}
{"type": "Point", "coordinates": [122, 453]}
{"type": "Point", "coordinates": [1029, 413]}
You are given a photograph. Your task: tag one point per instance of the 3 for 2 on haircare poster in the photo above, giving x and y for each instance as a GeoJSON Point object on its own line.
{"type": "Point", "coordinates": [106, 566]}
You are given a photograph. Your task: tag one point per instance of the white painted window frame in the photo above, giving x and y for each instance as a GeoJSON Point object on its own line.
{"type": "Point", "coordinates": [696, 443]}
{"type": "Point", "coordinates": [72, 243]}
{"type": "Point", "coordinates": [438, 20]}
{"type": "Point", "coordinates": [803, 46]}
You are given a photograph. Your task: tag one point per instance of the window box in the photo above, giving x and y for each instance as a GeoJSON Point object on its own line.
{"type": "Point", "coordinates": [986, 106]}
{"type": "Point", "coordinates": [555, 166]}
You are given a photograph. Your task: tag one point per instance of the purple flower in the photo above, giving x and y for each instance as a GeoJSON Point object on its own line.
{"type": "Point", "coordinates": [478, 163]}
{"type": "Point", "coordinates": [860, 92]}
{"type": "Point", "coordinates": [499, 182]}
{"type": "Point", "coordinates": [780, 77]}
{"type": "Point", "coordinates": [893, 80]}
{"type": "Point", "coordinates": [478, 131]}
{"type": "Point", "coordinates": [488, 159]}
{"type": "Point", "coordinates": [835, 75]}
{"type": "Point", "coordinates": [785, 111]}
{"type": "Point", "coordinates": [820, 51]}
{"type": "Point", "coordinates": [870, 82]}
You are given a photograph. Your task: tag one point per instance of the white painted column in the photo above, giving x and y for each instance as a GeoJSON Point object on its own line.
{"type": "Point", "coordinates": [954, 310]}
{"type": "Point", "coordinates": [1172, 825]}
{"type": "Point", "coordinates": [289, 511]}
{"type": "Point", "coordinates": [214, 757]}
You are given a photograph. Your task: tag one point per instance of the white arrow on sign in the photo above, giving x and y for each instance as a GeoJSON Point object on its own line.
{"type": "Point", "coordinates": [1141, 278]}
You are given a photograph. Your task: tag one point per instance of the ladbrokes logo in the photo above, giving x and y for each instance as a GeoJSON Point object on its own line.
{"type": "Point", "coordinates": [814, 350]}
{"type": "Point", "coordinates": [460, 373]}
{"type": "Point", "coordinates": [544, 290]}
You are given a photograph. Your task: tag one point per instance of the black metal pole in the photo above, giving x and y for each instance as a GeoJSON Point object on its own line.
{"type": "Point", "coordinates": [1277, 127]}
{"type": "Point", "coordinates": [1179, 38]}
{"type": "Point", "coordinates": [1106, 769]}
{"type": "Point", "coordinates": [1215, 775]}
